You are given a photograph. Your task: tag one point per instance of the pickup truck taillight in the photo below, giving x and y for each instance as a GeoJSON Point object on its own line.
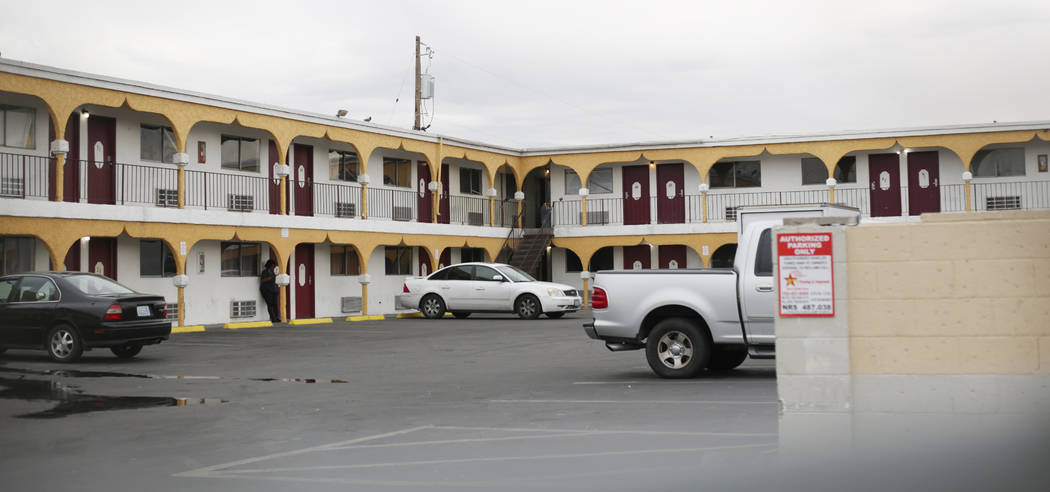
{"type": "Point", "coordinates": [598, 299]}
{"type": "Point", "coordinates": [114, 313]}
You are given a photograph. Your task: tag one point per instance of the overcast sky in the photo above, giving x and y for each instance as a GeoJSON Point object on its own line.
{"type": "Point", "coordinates": [537, 73]}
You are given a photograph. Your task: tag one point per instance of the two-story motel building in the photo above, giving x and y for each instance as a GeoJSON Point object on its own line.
{"type": "Point", "coordinates": [187, 195]}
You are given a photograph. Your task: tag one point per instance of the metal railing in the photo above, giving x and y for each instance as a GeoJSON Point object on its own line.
{"type": "Point", "coordinates": [338, 200]}
{"type": "Point", "coordinates": [221, 191]}
{"type": "Point", "coordinates": [391, 203]}
{"type": "Point", "coordinates": [1010, 195]}
{"type": "Point", "coordinates": [24, 176]}
{"type": "Point", "coordinates": [469, 210]}
{"type": "Point", "coordinates": [146, 185]}
{"type": "Point", "coordinates": [723, 206]}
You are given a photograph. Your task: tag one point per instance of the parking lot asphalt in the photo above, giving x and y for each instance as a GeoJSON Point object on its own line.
{"type": "Point", "coordinates": [490, 402]}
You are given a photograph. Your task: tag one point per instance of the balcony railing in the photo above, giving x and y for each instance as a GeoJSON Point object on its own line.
{"type": "Point", "coordinates": [469, 210]}
{"type": "Point", "coordinates": [389, 203]}
{"type": "Point", "coordinates": [338, 200]}
{"type": "Point", "coordinates": [221, 191]}
{"type": "Point", "coordinates": [24, 176]}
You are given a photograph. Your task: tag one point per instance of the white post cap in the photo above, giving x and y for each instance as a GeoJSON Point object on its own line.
{"type": "Point", "coordinates": [585, 275]}
{"type": "Point", "coordinates": [365, 279]}
{"type": "Point", "coordinates": [60, 147]}
{"type": "Point", "coordinates": [181, 158]}
{"type": "Point", "coordinates": [967, 176]}
{"type": "Point", "coordinates": [432, 186]}
{"type": "Point", "coordinates": [363, 179]}
{"type": "Point", "coordinates": [519, 195]}
{"type": "Point", "coordinates": [584, 192]}
{"type": "Point", "coordinates": [491, 192]}
{"type": "Point", "coordinates": [180, 281]}
{"type": "Point", "coordinates": [281, 170]}
{"type": "Point", "coordinates": [282, 279]}
{"type": "Point", "coordinates": [831, 182]}
{"type": "Point", "coordinates": [703, 187]}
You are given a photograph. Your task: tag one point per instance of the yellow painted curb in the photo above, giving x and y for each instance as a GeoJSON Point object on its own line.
{"type": "Point", "coordinates": [187, 329]}
{"type": "Point", "coordinates": [410, 315]}
{"type": "Point", "coordinates": [247, 324]}
{"type": "Point", "coordinates": [372, 317]}
{"type": "Point", "coordinates": [310, 321]}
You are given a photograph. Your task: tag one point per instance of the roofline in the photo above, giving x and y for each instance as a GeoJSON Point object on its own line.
{"type": "Point", "coordinates": [137, 87]}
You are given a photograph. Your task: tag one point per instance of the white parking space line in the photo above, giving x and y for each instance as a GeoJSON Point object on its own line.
{"type": "Point", "coordinates": [647, 402]}
{"type": "Point", "coordinates": [463, 441]}
{"type": "Point", "coordinates": [611, 431]}
{"type": "Point", "coordinates": [771, 382]}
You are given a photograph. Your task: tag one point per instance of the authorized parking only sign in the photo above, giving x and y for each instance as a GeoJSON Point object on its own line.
{"type": "Point", "coordinates": [806, 278]}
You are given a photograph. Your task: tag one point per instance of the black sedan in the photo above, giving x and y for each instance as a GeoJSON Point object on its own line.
{"type": "Point", "coordinates": [67, 313]}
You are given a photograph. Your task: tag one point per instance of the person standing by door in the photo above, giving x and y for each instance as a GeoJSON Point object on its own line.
{"type": "Point", "coordinates": [268, 288]}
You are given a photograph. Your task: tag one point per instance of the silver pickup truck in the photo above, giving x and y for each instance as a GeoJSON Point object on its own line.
{"type": "Point", "coordinates": [689, 320]}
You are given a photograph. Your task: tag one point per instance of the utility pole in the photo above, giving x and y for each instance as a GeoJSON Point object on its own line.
{"type": "Point", "coordinates": [418, 124]}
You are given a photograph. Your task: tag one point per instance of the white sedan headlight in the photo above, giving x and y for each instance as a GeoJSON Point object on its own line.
{"type": "Point", "coordinates": [555, 292]}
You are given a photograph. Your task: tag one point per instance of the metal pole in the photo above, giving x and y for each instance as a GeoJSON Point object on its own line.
{"type": "Point", "coordinates": [418, 124]}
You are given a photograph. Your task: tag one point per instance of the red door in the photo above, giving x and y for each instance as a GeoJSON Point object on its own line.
{"type": "Point", "coordinates": [670, 188]}
{"type": "Point", "coordinates": [672, 257]}
{"type": "Point", "coordinates": [303, 175]}
{"type": "Point", "coordinates": [304, 280]}
{"type": "Point", "coordinates": [275, 181]}
{"type": "Point", "coordinates": [445, 259]}
{"type": "Point", "coordinates": [72, 261]}
{"type": "Point", "coordinates": [635, 195]}
{"type": "Point", "coordinates": [424, 262]}
{"type": "Point", "coordinates": [101, 167]}
{"type": "Point", "coordinates": [102, 256]}
{"type": "Point", "coordinates": [425, 203]}
{"type": "Point", "coordinates": [924, 188]}
{"type": "Point", "coordinates": [637, 257]}
{"type": "Point", "coordinates": [884, 182]}
{"type": "Point", "coordinates": [70, 171]}
{"type": "Point", "coordinates": [443, 212]}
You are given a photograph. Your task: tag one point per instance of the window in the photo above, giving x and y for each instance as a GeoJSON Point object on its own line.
{"type": "Point", "coordinates": [462, 272]}
{"type": "Point", "coordinates": [469, 181]}
{"type": "Point", "coordinates": [572, 262]}
{"type": "Point", "coordinates": [467, 255]}
{"type": "Point", "coordinates": [17, 254]}
{"type": "Point", "coordinates": [344, 260]}
{"type": "Point", "coordinates": [846, 170]}
{"type": "Point", "coordinates": [485, 273]}
{"type": "Point", "coordinates": [240, 153]}
{"type": "Point", "coordinates": [240, 259]}
{"type": "Point", "coordinates": [17, 127]}
{"type": "Point", "coordinates": [155, 259]}
{"type": "Point", "coordinates": [156, 143]}
{"type": "Point", "coordinates": [572, 182]}
{"type": "Point", "coordinates": [601, 260]}
{"type": "Point", "coordinates": [397, 172]}
{"type": "Point", "coordinates": [35, 289]}
{"type": "Point", "coordinates": [813, 171]}
{"type": "Point", "coordinates": [5, 288]}
{"type": "Point", "coordinates": [735, 174]}
{"type": "Point", "coordinates": [723, 256]}
{"type": "Point", "coordinates": [764, 255]}
{"type": "Point", "coordinates": [398, 260]}
{"type": "Point", "coordinates": [991, 163]}
{"type": "Point", "coordinates": [342, 165]}
{"type": "Point", "coordinates": [601, 181]}
{"type": "Point", "coordinates": [96, 286]}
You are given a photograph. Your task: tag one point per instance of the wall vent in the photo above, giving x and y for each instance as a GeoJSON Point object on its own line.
{"type": "Point", "coordinates": [731, 214]}
{"type": "Point", "coordinates": [597, 217]}
{"type": "Point", "coordinates": [475, 218]}
{"type": "Point", "coordinates": [167, 198]}
{"type": "Point", "coordinates": [402, 213]}
{"type": "Point", "coordinates": [242, 309]}
{"type": "Point", "coordinates": [1002, 203]}
{"type": "Point", "coordinates": [240, 203]}
{"type": "Point", "coordinates": [351, 304]}
{"type": "Point", "coordinates": [345, 209]}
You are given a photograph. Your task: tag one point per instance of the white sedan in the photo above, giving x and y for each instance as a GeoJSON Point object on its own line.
{"type": "Point", "coordinates": [487, 288]}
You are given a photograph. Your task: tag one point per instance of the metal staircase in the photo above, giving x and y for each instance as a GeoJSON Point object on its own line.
{"type": "Point", "coordinates": [525, 248]}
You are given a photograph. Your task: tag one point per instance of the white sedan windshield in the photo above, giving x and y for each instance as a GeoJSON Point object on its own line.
{"type": "Point", "coordinates": [516, 275]}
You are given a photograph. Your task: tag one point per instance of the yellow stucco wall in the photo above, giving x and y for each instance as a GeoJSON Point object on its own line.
{"type": "Point", "coordinates": [954, 294]}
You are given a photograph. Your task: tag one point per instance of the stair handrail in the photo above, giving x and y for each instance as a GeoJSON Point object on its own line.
{"type": "Point", "coordinates": [510, 234]}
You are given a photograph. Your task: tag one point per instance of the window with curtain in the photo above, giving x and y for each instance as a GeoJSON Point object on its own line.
{"type": "Point", "coordinates": [157, 144]}
{"type": "Point", "coordinates": [397, 172]}
{"type": "Point", "coordinates": [735, 174]}
{"type": "Point", "coordinates": [17, 127]}
{"type": "Point", "coordinates": [240, 153]}
{"type": "Point", "coordinates": [469, 181]}
{"type": "Point", "coordinates": [342, 165]}
{"type": "Point", "coordinates": [344, 260]}
{"type": "Point", "coordinates": [601, 181]}
{"type": "Point", "coordinates": [240, 259]}
{"type": "Point", "coordinates": [813, 171]}
{"type": "Point", "coordinates": [994, 163]}
{"type": "Point", "coordinates": [155, 259]}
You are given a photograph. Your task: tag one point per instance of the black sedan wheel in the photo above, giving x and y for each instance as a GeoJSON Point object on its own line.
{"type": "Point", "coordinates": [432, 306]}
{"type": "Point", "coordinates": [126, 351]}
{"type": "Point", "coordinates": [64, 344]}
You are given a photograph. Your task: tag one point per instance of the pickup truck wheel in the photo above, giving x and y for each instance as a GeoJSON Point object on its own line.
{"type": "Point", "coordinates": [528, 307]}
{"type": "Point", "coordinates": [677, 349]}
{"type": "Point", "coordinates": [432, 306]}
{"type": "Point", "coordinates": [724, 360]}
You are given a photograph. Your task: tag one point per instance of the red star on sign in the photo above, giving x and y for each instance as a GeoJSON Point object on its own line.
{"type": "Point", "coordinates": [791, 279]}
